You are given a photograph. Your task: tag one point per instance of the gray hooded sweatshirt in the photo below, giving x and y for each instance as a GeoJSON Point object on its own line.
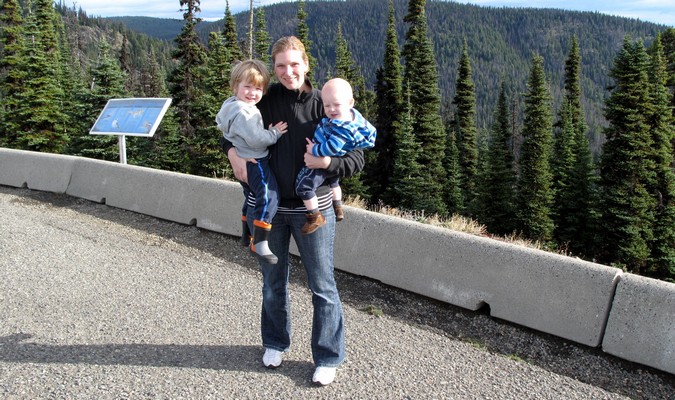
{"type": "Point", "coordinates": [242, 124]}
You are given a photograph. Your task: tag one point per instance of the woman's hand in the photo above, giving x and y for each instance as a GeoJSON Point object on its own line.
{"type": "Point", "coordinates": [314, 162]}
{"type": "Point", "coordinates": [309, 146]}
{"type": "Point", "coordinates": [238, 165]}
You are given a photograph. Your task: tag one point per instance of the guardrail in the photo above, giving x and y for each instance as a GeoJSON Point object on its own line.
{"type": "Point", "coordinates": [629, 316]}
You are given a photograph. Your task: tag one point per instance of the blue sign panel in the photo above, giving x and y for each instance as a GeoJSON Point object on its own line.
{"type": "Point", "coordinates": [131, 117]}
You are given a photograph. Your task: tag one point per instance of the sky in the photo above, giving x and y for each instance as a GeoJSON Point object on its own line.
{"type": "Point", "coordinates": [659, 11]}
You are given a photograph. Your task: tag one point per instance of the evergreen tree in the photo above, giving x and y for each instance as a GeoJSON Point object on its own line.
{"type": "Point", "coordinates": [408, 177]}
{"type": "Point", "coordinates": [497, 194]}
{"type": "Point", "coordinates": [302, 32]}
{"type": "Point", "coordinates": [465, 133]}
{"type": "Point", "coordinates": [72, 81]}
{"type": "Point", "coordinates": [661, 124]}
{"type": "Point", "coordinates": [11, 70]}
{"type": "Point", "coordinates": [184, 84]}
{"type": "Point", "coordinates": [535, 196]}
{"type": "Point", "coordinates": [626, 167]}
{"type": "Point", "coordinates": [668, 43]}
{"type": "Point", "coordinates": [389, 104]}
{"type": "Point", "coordinates": [39, 112]}
{"type": "Point", "coordinates": [453, 192]}
{"type": "Point", "coordinates": [572, 166]}
{"type": "Point", "coordinates": [562, 164]}
{"type": "Point", "coordinates": [262, 39]}
{"type": "Point", "coordinates": [345, 68]}
{"type": "Point", "coordinates": [216, 89]}
{"type": "Point", "coordinates": [153, 81]}
{"type": "Point", "coordinates": [107, 82]}
{"type": "Point", "coordinates": [217, 70]}
{"type": "Point", "coordinates": [421, 80]}
{"type": "Point", "coordinates": [230, 35]}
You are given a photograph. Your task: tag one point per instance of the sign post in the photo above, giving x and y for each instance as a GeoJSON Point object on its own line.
{"type": "Point", "coordinates": [130, 117]}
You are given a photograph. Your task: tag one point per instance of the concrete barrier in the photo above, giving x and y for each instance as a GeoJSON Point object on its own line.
{"type": "Point", "coordinates": [559, 295]}
{"type": "Point", "coordinates": [641, 325]}
{"type": "Point", "coordinates": [40, 171]}
{"type": "Point", "coordinates": [181, 198]}
{"type": "Point", "coordinates": [563, 296]}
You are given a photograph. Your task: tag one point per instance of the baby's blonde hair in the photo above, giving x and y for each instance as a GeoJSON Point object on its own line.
{"type": "Point", "coordinates": [250, 71]}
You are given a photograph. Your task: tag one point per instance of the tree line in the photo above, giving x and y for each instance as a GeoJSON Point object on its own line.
{"type": "Point", "coordinates": [530, 172]}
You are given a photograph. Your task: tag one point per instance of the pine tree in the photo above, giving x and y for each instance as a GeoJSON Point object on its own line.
{"type": "Point", "coordinates": [216, 90]}
{"type": "Point", "coordinates": [152, 76]}
{"type": "Point", "coordinates": [408, 177]}
{"type": "Point", "coordinates": [11, 70]}
{"type": "Point", "coordinates": [465, 134]}
{"type": "Point", "coordinates": [668, 43]}
{"type": "Point", "coordinates": [453, 193]}
{"type": "Point", "coordinates": [230, 35]}
{"type": "Point", "coordinates": [661, 123]}
{"type": "Point", "coordinates": [562, 163]}
{"type": "Point", "coordinates": [421, 80]}
{"type": "Point", "coordinates": [346, 68]}
{"type": "Point", "coordinates": [497, 194]}
{"type": "Point", "coordinates": [535, 196]}
{"type": "Point", "coordinates": [302, 32]}
{"type": "Point", "coordinates": [184, 79]}
{"type": "Point", "coordinates": [107, 82]}
{"type": "Point", "coordinates": [572, 167]}
{"type": "Point", "coordinates": [389, 105]}
{"type": "Point", "coordinates": [262, 39]}
{"type": "Point", "coordinates": [626, 168]}
{"type": "Point", "coordinates": [72, 80]}
{"type": "Point", "coordinates": [39, 113]}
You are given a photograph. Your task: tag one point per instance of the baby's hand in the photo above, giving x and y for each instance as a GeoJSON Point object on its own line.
{"type": "Point", "coordinates": [310, 146]}
{"type": "Point", "coordinates": [281, 126]}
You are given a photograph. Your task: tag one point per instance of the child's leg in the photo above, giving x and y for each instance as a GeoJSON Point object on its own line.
{"type": "Point", "coordinates": [337, 193]}
{"type": "Point", "coordinates": [264, 186]}
{"type": "Point", "coordinates": [337, 198]}
{"type": "Point", "coordinates": [245, 230]}
{"type": "Point", "coordinates": [311, 204]}
{"type": "Point", "coordinates": [305, 186]}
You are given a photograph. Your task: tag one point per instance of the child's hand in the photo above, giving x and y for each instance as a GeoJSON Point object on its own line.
{"type": "Point", "coordinates": [310, 146]}
{"type": "Point", "coordinates": [281, 126]}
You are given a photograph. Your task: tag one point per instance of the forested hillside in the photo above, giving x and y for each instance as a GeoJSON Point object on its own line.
{"type": "Point", "coordinates": [501, 42]}
{"type": "Point", "coordinates": [555, 127]}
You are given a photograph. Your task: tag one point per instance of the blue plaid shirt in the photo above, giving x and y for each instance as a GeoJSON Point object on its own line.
{"type": "Point", "coordinates": [336, 138]}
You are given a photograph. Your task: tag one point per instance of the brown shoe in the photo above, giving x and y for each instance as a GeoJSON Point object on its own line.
{"type": "Point", "coordinates": [315, 220]}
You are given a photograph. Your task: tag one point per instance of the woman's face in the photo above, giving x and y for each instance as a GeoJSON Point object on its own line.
{"type": "Point", "coordinates": [290, 68]}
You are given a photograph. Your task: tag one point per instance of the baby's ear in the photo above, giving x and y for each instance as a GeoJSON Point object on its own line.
{"type": "Point", "coordinates": [351, 102]}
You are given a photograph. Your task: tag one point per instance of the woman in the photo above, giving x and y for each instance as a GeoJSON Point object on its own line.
{"type": "Point", "coordinates": [293, 100]}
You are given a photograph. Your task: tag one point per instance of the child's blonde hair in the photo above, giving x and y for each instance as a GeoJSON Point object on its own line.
{"type": "Point", "coordinates": [250, 71]}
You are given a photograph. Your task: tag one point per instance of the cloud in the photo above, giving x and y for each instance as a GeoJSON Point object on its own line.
{"type": "Point", "coordinates": [210, 9]}
{"type": "Point", "coordinates": [658, 11]}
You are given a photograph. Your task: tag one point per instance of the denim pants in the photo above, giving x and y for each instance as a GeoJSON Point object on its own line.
{"type": "Point", "coordinates": [316, 251]}
{"type": "Point", "coordinates": [309, 179]}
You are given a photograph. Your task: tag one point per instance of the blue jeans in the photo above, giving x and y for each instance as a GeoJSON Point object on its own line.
{"type": "Point", "coordinates": [316, 251]}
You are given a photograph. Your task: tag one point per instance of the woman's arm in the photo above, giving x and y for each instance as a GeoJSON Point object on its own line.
{"type": "Point", "coordinates": [238, 164]}
{"type": "Point", "coordinates": [348, 165]}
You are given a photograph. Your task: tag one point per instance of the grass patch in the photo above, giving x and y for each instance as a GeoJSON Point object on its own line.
{"type": "Point", "coordinates": [455, 222]}
{"type": "Point", "coordinates": [514, 357]}
{"type": "Point", "coordinates": [373, 310]}
{"type": "Point", "coordinates": [477, 344]}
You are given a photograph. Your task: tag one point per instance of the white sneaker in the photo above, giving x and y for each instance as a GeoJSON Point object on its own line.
{"type": "Point", "coordinates": [272, 358]}
{"type": "Point", "coordinates": [324, 375]}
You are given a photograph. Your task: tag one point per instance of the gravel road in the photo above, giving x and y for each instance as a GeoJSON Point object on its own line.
{"type": "Point", "coordinates": [102, 303]}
